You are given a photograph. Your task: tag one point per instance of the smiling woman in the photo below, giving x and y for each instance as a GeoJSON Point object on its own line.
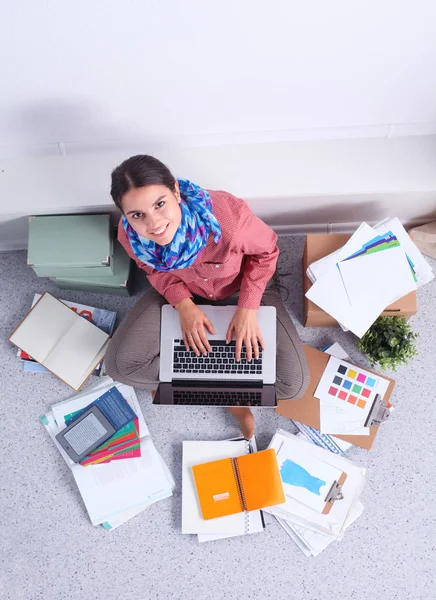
{"type": "Point", "coordinates": [195, 244]}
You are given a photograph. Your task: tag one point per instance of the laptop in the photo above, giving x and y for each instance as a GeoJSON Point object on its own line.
{"type": "Point", "coordinates": [216, 379]}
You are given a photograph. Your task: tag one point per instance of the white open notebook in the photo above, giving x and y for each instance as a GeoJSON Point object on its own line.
{"type": "Point", "coordinates": [61, 340]}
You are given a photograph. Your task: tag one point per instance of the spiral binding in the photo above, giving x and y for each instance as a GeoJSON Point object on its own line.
{"type": "Point", "coordinates": [241, 494]}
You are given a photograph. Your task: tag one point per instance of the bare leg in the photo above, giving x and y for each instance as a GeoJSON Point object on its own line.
{"type": "Point", "coordinates": [246, 420]}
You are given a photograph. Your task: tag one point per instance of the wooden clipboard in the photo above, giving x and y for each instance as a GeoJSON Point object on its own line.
{"type": "Point", "coordinates": [306, 409]}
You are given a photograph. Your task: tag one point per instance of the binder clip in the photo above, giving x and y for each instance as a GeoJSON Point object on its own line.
{"type": "Point", "coordinates": [379, 412]}
{"type": "Point", "coordinates": [335, 493]}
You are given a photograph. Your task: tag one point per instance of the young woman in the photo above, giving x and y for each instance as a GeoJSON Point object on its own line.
{"type": "Point", "coordinates": [197, 246]}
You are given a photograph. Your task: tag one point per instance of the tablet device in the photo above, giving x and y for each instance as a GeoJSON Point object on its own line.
{"type": "Point", "coordinates": [85, 434]}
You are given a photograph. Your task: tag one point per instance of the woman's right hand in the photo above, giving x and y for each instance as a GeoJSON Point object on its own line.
{"type": "Point", "coordinates": [193, 322]}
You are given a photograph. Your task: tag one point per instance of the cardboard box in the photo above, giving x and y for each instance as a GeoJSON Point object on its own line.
{"type": "Point", "coordinates": [306, 409]}
{"type": "Point", "coordinates": [319, 245]}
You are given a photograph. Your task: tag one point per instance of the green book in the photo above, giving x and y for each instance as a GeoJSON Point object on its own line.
{"type": "Point", "coordinates": [70, 246]}
{"type": "Point", "coordinates": [118, 283]}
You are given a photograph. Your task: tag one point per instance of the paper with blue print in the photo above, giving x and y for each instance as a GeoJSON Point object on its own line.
{"type": "Point", "coordinates": [306, 478]}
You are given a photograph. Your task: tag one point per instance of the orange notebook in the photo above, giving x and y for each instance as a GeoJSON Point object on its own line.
{"type": "Point", "coordinates": [234, 485]}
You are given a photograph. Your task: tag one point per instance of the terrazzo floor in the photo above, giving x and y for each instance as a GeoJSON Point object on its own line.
{"type": "Point", "coordinates": [50, 551]}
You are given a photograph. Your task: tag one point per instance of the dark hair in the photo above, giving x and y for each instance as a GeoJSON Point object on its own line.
{"type": "Point", "coordinates": [139, 171]}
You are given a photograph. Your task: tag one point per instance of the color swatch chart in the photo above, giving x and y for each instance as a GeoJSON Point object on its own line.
{"type": "Point", "coordinates": [351, 385]}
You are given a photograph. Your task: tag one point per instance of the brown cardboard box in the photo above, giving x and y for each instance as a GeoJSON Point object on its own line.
{"type": "Point", "coordinates": [306, 409]}
{"type": "Point", "coordinates": [319, 245]}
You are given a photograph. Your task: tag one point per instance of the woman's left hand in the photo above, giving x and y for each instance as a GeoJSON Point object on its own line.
{"type": "Point", "coordinates": [246, 329]}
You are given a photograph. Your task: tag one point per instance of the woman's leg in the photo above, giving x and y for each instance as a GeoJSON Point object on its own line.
{"type": "Point", "coordinates": [292, 371]}
{"type": "Point", "coordinates": [132, 356]}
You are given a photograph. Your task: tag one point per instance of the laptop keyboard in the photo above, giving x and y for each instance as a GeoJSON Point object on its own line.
{"type": "Point", "coordinates": [217, 397]}
{"type": "Point", "coordinates": [221, 359]}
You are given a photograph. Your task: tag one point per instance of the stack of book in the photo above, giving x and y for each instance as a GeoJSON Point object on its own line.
{"type": "Point", "coordinates": [121, 478]}
{"type": "Point", "coordinates": [79, 252]}
{"type": "Point", "coordinates": [100, 317]}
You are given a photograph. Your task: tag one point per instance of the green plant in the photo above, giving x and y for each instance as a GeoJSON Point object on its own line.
{"type": "Point", "coordinates": [389, 342]}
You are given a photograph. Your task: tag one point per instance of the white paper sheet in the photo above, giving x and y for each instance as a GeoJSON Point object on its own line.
{"type": "Point", "coordinates": [120, 489]}
{"type": "Point", "coordinates": [306, 477]}
{"type": "Point", "coordinates": [312, 543]}
{"type": "Point", "coordinates": [195, 453]}
{"type": "Point", "coordinates": [338, 415]}
{"type": "Point", "coordinates": [355, 292]}
{"type": "Point", "coordinates": [333, 522]}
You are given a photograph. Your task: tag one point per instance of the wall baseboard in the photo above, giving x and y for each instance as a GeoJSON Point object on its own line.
{"type": "Point", "coordinates": [281, 230]}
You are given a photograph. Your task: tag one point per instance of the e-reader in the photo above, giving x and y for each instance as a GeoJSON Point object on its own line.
{"type": "Point", "coordinates": [85, 434]}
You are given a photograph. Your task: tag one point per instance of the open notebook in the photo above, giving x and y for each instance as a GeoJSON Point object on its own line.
{"type": "Point", "coordinates": [62, 341]}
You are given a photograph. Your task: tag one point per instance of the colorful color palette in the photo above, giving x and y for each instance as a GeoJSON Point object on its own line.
{"type": "Point", "coordinates": [352, 386]}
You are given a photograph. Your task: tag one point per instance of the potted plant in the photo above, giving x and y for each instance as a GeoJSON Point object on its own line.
{"type": "Point", "coordinates": [389, 342]}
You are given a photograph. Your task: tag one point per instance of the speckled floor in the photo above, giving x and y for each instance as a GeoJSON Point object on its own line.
{"type": "Point", "coordinates": [50, 551]}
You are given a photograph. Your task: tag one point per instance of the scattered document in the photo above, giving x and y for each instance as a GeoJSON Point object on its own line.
{"type": "Point", "coordinates": [377, 266]}
{"type": "Point", "coordinates": [115, 491]}
{"type": "Point", "coordinates": [333, 523]}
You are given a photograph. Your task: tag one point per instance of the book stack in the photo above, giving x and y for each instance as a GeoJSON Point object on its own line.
{"type": "Point", "coordinates": [322, 492]}
{"type": "Point", "coordinates": [121, 478]}
{"type": "Point", "coordinates": [100, 317]}
{"type": "Point", "coordinates": [79, 252]}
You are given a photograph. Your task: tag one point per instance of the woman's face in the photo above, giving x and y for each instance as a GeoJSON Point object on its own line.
{"type": "Point", "coordinates": [153, 211]}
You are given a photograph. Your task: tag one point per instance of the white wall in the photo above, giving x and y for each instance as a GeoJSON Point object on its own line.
{"type": "Point", "coordinates": [295, 187]}
{"type": "Point", "coordinates": [320, 114]}
{"type": "Point", "coordinates": [90, 74]}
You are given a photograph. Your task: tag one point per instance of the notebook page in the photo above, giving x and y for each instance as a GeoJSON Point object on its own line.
{"type": "Point", "coordinates": [44, 326]}
{"type": "Point", "coordinates": [195, 453]}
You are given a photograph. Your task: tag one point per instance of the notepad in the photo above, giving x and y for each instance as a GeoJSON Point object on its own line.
{"type": "Point", "coordinates": [62, 341]}
{"type": "Point", "coordinates": [238, 484]}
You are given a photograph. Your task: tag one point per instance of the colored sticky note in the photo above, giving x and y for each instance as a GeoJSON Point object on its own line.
{"type": "Point", "coordinates": [361, 378]}
{"type": "Point", "coordinates": [352, 399]}
{"type": "Point", "coordinates": [342, 395]}
{"type": "Point", "coordinates": [351, 374]}
{"type": "Point", "coordinates": [333, 391]}
{"type": "Point", "coordinates": [370, 381]}
{"type": "Point", "coordinates": [366, 392]}
{"type": "Point", "coordinates": [337, 380]}
{"type": "Point", "coordinates": [342, 370]}
{"type": "Point", "coordinates": [361, 403]}
{"type": "Point", "coordinates": [347, 384]}
{"type": "Point", "coordinates": [357, 388]}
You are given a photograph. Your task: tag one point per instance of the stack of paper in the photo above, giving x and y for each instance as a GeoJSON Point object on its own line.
{"type": "Point", "coordinates": [116, 491]}
{"type": "Point", "coordinates": [308, 473]}
{"type": "Point", "coordinates": [100, 317]}
{"type": "Point", "coordinates": [195, 453]}
{"type": "Point", "coordinates": [376, 267]}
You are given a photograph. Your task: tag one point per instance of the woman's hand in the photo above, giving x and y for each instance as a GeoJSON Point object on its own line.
{"type": "Point", "coordinates": [244, 326]}
{"type": "Point", "coordinates": [193, 322]}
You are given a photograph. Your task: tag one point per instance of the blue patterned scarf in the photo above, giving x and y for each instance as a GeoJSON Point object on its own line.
{"type": "Point", "coordinates": [198, 221]}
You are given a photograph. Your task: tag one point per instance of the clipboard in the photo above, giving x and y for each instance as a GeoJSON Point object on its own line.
{"type": "Point", "coordinates": [306, 409]}
{"type": "Point", "coordinates": [335, 493]}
